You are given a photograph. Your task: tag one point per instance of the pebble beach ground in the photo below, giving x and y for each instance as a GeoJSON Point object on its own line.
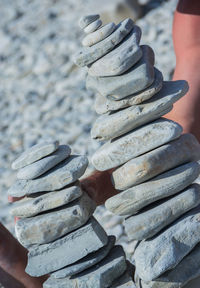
{"type": "Point", "coordinates": [43, 94]}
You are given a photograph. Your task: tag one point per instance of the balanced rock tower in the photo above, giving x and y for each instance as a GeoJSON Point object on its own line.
{"type": "Point", "coordinates": [56, 223]}
{"type": "Point", "coordinates": [154, 164]}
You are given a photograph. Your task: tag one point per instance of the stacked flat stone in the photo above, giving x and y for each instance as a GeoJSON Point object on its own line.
{"type": "Point", "coordinates": [154, 166]}
{"type": "Point", "coordinates": [56, 223]}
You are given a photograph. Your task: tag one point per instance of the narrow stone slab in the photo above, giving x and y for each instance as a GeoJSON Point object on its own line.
{"type": "Point", "coordinates": [88, 261]}
{"type": "Point", "coordinates": [58, 177]}
{"type": "Point", "coordinates": [187, 270]}
{"type": "Point", "coordinates": [41, 166]}
{"type": "Point", "coordinates": [47, 258]}
{"type": "Point", "coordinates": [112, 126]}
{"type": "Point", "coordinates": [100, 276]}
{"type": "Point", "coordinates": [93, 27]}
{"type": "Point", "coordinates": [169, 183]}
{"type": "Point", "coordinates": [31, 206]}
{"type": "Point", "coordinates": [153, 163]}
{"type": "Point", "coordinates": [99, 35]}
{"type": "Point", "coordinates": [136, 79]}
{"type": "Point", "coordinates": [104, 105]}
{"type": "Point", "coordinates": [137, 142]}
{"type": "Point", "coordinates": [121, 58]}
{"type": "Point", "coordinates": [149, 223]}
{"type": "Point", "coordinates": [35, 153]}
{"type": "Point", "coordinates": [89, 55]}
{"type": "Point", "coordinates": [50, 226]}
{"type": "Point", "coordinates": [87, 20]}
{"type": "Point", "coordinates": [155, 256]}
{"type": "Point", "coordinates": [125, 281]}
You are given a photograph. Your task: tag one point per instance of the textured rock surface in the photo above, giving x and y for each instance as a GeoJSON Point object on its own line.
{"type": "Point", "coordinates": [148, 223]}
{"type": "Point", "coordinates": [35, 153]}
{"type": "Point", "coordinates": [116, 124]}
{"type": "Point", "coordinates": [46, 258]}
{"type": "Point", "coordinates": [135, 143]}
{"type": "Point", "coordinates": [104, 105]}
{"type": "Point", "coordinates": [125, 281]}
{"type": "Point", "coordinates": [153, 163]}
{"type": "Point", "coordinates": [28, 206]}
{"type": "Point", "coordinates": [98, 35]}
{"type": "Point", "coordinates": [86, 262]}
{"type": "Point", "coordinates": [169, 183]}
{"type": "Point", "coordinates": [136, 79]}
{"type": "Point", "coordinates": [50, 226]}
{"type": "Point", "coordinates": [155, 256]}
{"type": "Point", "coordinates": [121, 58]}
{"type": "Point", "coordinates": [63, 174]}
{"type": "Point", "coordinates": [86, 20]}
{"type": "Point", "coordinates": [38, 168]}
{"type": "Point", "coordinates": [89, 55]}
{"type": "Point", "coordinates": [185, 271]}
{"type": "Point", "coordinates": [100, 276]}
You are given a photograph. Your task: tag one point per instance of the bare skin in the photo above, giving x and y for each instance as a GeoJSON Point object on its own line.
{"type": "Point", "coordinates": [186, 37]}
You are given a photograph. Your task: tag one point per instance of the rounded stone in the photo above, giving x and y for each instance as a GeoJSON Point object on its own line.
{"type": "Point", "coordinates": [92, 27]}
{"type": "Point", "coordinates": [87, 20]}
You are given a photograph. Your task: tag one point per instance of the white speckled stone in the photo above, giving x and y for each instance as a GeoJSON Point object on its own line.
{"type": "Point", "coordinates": [153, 163]}
{"type": "Point", "coordinates": [88, 261]}
{"type": "Point", "coordinates": [35, 153]}
{"type": "Point", "coordinates": [90, 54]}
{"type": "Point", "coordinates": [121, 58]}
{"type": "Point", "coordinates": [104, 105]}
{"type": "Point", "coordinates": [50, 226]}
{"type": "Point", "coordinates": [116, 124]}
{"type": "Point", "coordinates": [159, 254]}
{"type": "Point", "coordinates": [29, 207]}
{"type": "Point", "coordinates": [169, 183]}
{"type": "Point", "coordinates": [187, 270]}
{"type": "Point", "coordinates": [147, 224]}
{"type": "Point", "coordinates": [58, 177]}
{"type": "Point", "coordinates": [87, 20]}
{"type": "Point", "coordinates": [135, 143]}
{"type": "Point", "coordinates": [99, 35]}
{"type": "Point", "coordinates": [41, 166]}
{"type": "Point", "coordinates": [46, 258]}
{"type": "Point", "coordinates": [100, 276]}
{"type": "Point", "coordinates": [93, 27]}
{"type": "Point", "coordinates": [136, 79]}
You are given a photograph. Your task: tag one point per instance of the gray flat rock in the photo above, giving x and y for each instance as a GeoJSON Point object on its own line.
{"type": "Point", "coordinates": [169, 183]}
{"type": "Point", "coordinates": [136, 79]}
{"type": "Point", "coordinates": [149, 223]}
{"type": "Point", "coordinates": [124, 281]}
{"type": "Point", "coordinates": [88, 261]}
{"type": "Point", "coordinates": [104, 105]}
{"type": "Point", "coordinates": [100, 276]}
{"type": "Point", "coordinates": [31, 206]}
{"type": "Point", "coordinates": [153, 163]}
{"type": "Point", "coordinates": [47, 258]}
{"type": "Point", "coordinates": [188, 269]}
{"type": "Point", "coordinates": [88, 19]}
{"type": "Point", "coordinates": [93, 26]}
{"type": "Point", "coordinates": [58, 177]}
{"type": "Point", "coordinates": [41, 166]}
{"type": "Point", "coordinates": [121, 58]}
{"type": "Point", "coordinates": [35, 153]}
{"type": "Point", "coordinates": [99, 35]}
{"type": "Point", "coordinates": [137, 142]}
{"type": "Point", "coordinates": [90, 54]}
{"type": "Point", "coordinates": [159, 254]}
{"type": "Point", "coordinates": [118, 123]}
{"type": "Point", "coordinates": [50, 226]}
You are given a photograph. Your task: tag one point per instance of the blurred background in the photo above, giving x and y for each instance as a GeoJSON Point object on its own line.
{"type": "Point", "coordinates": [43, 94]}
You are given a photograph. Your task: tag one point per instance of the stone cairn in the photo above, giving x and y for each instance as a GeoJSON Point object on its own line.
{"type": "Point", "coordinates": [153, 165]}
{"type": "Point", "coordinates": [56, 223]}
